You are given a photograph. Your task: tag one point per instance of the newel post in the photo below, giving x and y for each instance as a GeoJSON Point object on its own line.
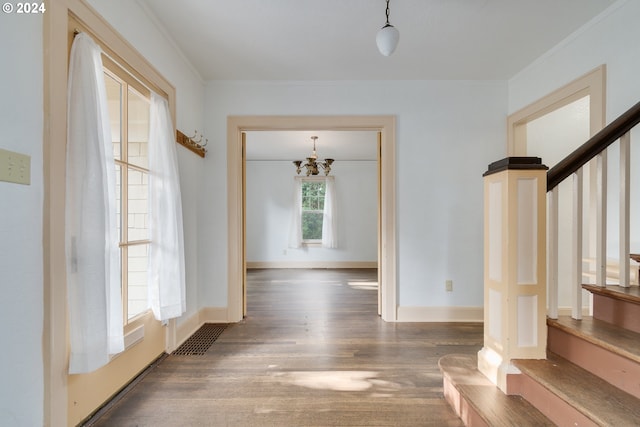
{"type": "Point", "coordinates": [514, 266]}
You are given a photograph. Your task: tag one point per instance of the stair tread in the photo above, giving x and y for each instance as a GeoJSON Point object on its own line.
{"type": "Point", "coordinates": [597, 399]}
{"type": "Point", "coordinates": [495, 407]}
{"type": "Point", "coordinates": [618, 340]}
{"type": "Point", "coordinates": [630, 294]}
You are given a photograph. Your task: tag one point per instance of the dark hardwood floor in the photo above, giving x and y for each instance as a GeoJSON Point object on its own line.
{"type": "Point", "coordinates": [312, 351]}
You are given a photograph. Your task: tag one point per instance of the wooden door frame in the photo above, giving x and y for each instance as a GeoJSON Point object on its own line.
{"type": "Point", "coordinates": [592, 84]}
{"type": "Point", "coordinates": [236, 125]}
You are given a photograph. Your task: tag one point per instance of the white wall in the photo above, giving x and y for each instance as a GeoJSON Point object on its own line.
{"type": "Point", "coordinates": [610, 39]}
{"type": "Point", "coordinates": [133, 22]}
{"type": "Point", "coordinates": [21, 271]}
{"type": "Point", "coordinates": [447, 134]}
{"type": "Point", "coordinates": [270, 203]}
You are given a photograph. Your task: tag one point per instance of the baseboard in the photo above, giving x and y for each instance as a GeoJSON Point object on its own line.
{"type": "Point", "coordinates": [440, 314]}
{"type": "Point", "coordinates": [205, 315]}
{"type": "Point", "coordinates": [405, 314]}
{"type": "Point", "coordinates": [312, 264]}
{"type": "Point", "coordinates": [214, 315]}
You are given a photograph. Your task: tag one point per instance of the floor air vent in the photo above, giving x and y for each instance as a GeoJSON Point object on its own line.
{"type": "Point", "coordinates": [198, 343]}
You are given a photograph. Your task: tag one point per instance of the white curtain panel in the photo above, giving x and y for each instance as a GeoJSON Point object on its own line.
{"type": "Point", "coordinates": [167, 295]}
{"type": "Point", "coordinates": [295, 229]}
{"type": "Point", "coordinates": [92, 251]}
{"type": "Point", "coordinates": [329, 217]}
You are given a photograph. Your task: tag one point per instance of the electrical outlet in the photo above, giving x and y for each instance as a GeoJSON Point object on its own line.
{"type": "Point", "coordinates": [15, 167]}
{"type": "Point", "coordinates": [449, 285]}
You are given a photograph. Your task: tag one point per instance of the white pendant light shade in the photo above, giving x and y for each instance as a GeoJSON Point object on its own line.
{"type": "Point", "coordinates": [387, 39]}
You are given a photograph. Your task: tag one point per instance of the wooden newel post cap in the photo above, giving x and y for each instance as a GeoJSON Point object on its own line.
{"type": "Point", "coordinates": [521, 163]}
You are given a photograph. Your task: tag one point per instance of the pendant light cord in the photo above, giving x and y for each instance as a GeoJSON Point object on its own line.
{"type": "Point", "coordinates": [388, 13]}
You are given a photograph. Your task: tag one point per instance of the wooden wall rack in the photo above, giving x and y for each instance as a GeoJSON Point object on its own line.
{"type": "Point", "coordinates": [190, 143]}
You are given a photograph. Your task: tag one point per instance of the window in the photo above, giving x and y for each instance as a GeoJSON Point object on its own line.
{"type": "Point", "coordinates": [129, 112]}
{"type": "Point", "coordinates": [313, 194]}
{"type": "Point", "coordinates": [313, 220]}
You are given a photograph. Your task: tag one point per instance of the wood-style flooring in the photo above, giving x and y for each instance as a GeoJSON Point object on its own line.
{"type": "Point", "coordinates": [312, 351]}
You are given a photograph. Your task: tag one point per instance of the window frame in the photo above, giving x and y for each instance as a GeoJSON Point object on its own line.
{"type": "Point", "coordinates": [149, 338]}
{"type": "Point", "coordinates": [124, 167]}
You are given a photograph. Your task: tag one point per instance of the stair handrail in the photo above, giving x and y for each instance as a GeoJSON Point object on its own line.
{"type": "Point", "coordinates": [596, 144]}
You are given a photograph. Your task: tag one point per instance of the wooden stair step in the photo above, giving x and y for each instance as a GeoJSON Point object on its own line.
{"type": "Point", "coordinates": [617, 305]}
{"type": "Point", "coordinates": [487, 401]}
{"type": "Point", "coordinates": [590, 395]}
{"type": "Point", "coordinates": [613, 338]}
{"type": "Point", "coordinates": [629, 294]}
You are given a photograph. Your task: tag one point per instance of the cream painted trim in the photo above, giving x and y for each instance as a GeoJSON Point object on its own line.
{"type": "Point", "coordinates": [214, 315]}
{"type": "Point", "coordinates": [593, 84]}
{"type": "Point", "coordinates": [55, 63]}
{"type": "Point", "coordinates": [54, 332]}
{"type": "Point", "coordinates": [238, 124]}
{"type": "Point", "coordinates": [440, 314]}
{"type": "Point", "coordinates": [312, 264]}
{"type": "Point", "coordinates": [191, 324]}
{"type": "Point", "coordinates": [133, 337]}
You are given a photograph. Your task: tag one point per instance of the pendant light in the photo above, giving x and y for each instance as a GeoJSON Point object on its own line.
{"type": "Point", "coordinates": [387, 37]}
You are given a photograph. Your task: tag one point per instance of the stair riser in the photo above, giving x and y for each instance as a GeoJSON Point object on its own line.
{"type": "Point", "coordinates": [462, 408]}
{"type": "Point", "coordinates": [615, 369]}
{"type": "Point", "coordinates": [620, 313]}
{"type": "Point", "coordinates": [551, 405]}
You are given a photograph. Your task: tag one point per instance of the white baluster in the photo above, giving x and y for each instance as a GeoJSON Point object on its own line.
{"type": "Point", "coordinates": [576, 252]}
{"type": "Point", "coordinates": [552, 255]}
{"type": "Point", "coordinates": [601, 219]}
{"type": "Point", "coordinates": [625, 183]}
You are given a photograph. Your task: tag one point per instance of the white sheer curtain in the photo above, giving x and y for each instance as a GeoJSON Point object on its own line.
{"type": "Point", "coordinates": [295, 229]}
{"type": "Point", "coordinates": [166, 252]}
{"type": "Point", "coordinates": [92, 251]}
{"type": "Point", "coordinates": [330, 217]}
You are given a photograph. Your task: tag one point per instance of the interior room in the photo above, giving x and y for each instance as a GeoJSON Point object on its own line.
{"type": "Point", "coordinates": [201, 109]}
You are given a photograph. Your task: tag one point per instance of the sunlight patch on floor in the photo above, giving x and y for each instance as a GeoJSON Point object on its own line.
{"type": "Point", "coordinates": [370, 286]}
{"type": "Point", "coordinates": [334, 380]}
{"type": "Point", "coordinates": [303, 282]}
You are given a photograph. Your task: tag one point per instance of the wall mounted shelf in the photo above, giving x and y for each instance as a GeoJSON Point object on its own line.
{"type": "Point", "coordinates": [191, 143]}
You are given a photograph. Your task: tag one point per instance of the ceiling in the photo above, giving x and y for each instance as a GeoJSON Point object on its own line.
{"type": "Point", "coordinates": [298, 145]}
{"type": "Point", "coordinates": [335, 39]}
{"type": "Point", "coordinates": [304, 40]}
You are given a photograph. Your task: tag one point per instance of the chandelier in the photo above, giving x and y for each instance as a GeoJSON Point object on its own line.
{"type": "Point", "coordinates": [313, 166]}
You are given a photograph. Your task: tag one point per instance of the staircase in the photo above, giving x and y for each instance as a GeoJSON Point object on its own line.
{"type": "Point", "coordinates": [591, 373]}
{"type": "Point", "coordinates": [591, 376]}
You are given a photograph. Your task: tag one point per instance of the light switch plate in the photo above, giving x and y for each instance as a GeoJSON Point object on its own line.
{"type": "Point", "coordinates": [15, 167]}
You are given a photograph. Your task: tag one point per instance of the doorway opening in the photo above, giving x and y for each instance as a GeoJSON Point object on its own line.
{"type": "Point", "coordinates": [237, 126]}
{"type": "Point", "coordinates": [551, 128]}
{"type": "Point", "coordinates": [297, 222]}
